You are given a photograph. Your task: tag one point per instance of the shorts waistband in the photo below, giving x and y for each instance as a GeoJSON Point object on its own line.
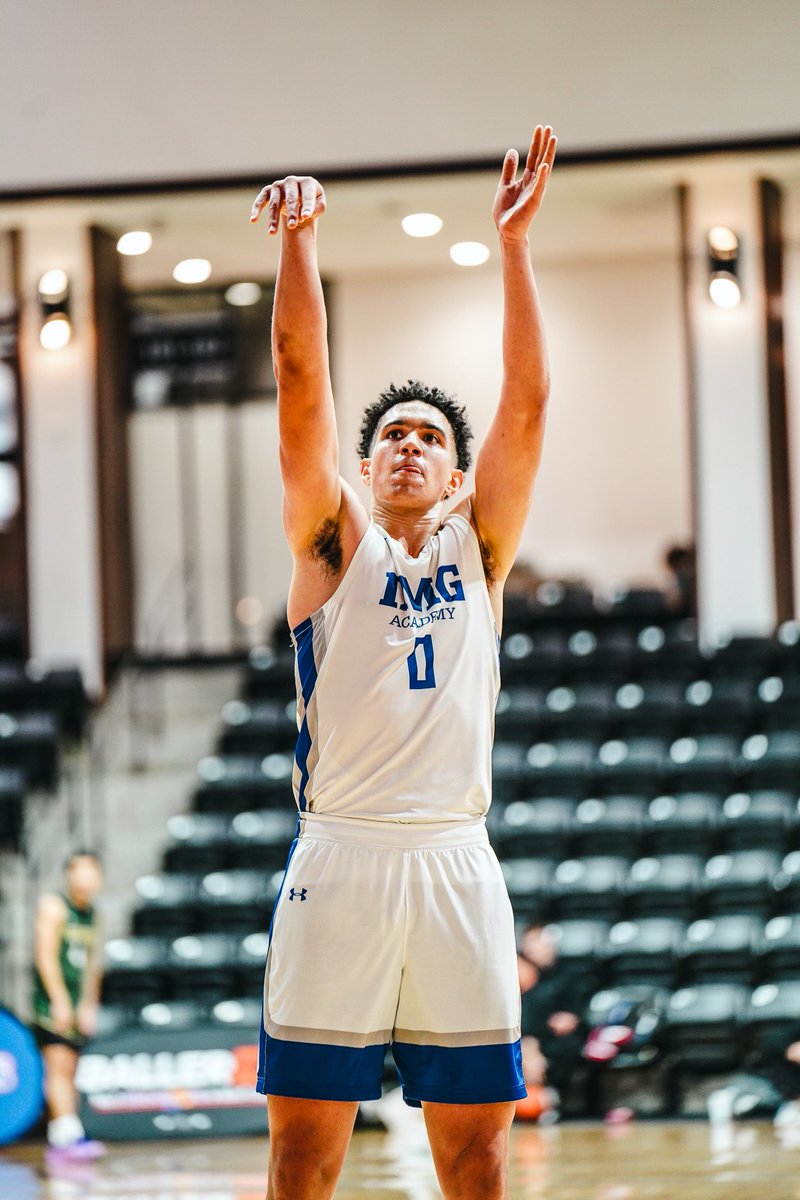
{"type": "Point", "coordinates": [406, 835]}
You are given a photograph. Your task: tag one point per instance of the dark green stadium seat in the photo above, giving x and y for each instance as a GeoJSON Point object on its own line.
{"type": "Point", "coordinates": [237, 901]}
{"type": "Point", "coordinates": [168, 905]}
{"type": "Point", "coordinates": [261, 840]}
{"type": "Point", "coordinates": [704, 1026]}
{"type": "Point", "coordinates": [136, 971]}
{"type": "Point", "coordinates": [686, 822]}
{"type": "Point", "coordinates": [647, 709]}
{"type": "Point", "coordinates": [558, 768]}
{"type": "Point", "coordinates": [778, 947]}
{"type": "Point", "coordinates": [741, 882]}
{"type": "Point", "coordinates": [582, 710]}
{"type": "Point", "coordinates": [527, 881]}
{"type": "Point", "coordinates": [645, 950]}
{"type": "Point", "coordinates": [199, 843]}
{"type": "Point", "coordinates": [258, 728]}
{"type": "Point", "coordinates": [202, 967]}
{"type": "Point", "coordinates": [762, 820]}
{"type": "Point", "coordinates": [631, 765]}
{"type": "Point", "coordinates": [771, 760]}
{"type": "Point", "coordinates": [665, 885]}
{"type": "Point", "coordinates": [610, 825]}
{"type": "Point", "coordinates": [589, 887]}
{"type": "Point", "coordinates": [722, 947]}
{"type": "Point", "coordinates": [531, 828]}
{"type": "Point", "coordinates": [231, 785]}
{"type": "Point", "coordinates": [708, 762]}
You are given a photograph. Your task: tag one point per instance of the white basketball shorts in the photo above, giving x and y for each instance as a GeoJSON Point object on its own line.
{"type": "Point", "coordinates": [389, 932]}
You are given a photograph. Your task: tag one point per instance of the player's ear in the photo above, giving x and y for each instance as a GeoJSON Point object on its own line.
{"type": "Point", "coordinates": [454, 483]}
{"type": "Point", "coordinates": [366, 477]}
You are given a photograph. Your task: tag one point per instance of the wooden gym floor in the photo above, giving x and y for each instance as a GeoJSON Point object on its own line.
{"type": "Point", "coordinates": [572, 1161]}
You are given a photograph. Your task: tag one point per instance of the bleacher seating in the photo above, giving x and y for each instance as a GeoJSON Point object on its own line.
{"type": "Point", "coordinates": [40, 710]}
{"type": "Point", "coordinates": [646, 806]}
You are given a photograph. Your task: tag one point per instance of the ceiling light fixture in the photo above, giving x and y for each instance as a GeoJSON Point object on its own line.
{"type": "Point", "coordinates": [469, 254]}
{"type": "Point", "coordinates": [243, 294]}
{"type": "Point", "coordinates": [192, 270]}
{"type": "Point", "coordinates": [421, 225]}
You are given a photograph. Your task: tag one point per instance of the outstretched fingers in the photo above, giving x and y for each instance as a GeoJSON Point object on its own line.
{"type": "Point", "coordinates": [510, 163]}
{"type": "Point", "coordinates": [534, 153]}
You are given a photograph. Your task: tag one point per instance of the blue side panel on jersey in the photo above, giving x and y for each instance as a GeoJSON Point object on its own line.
{"type": "Point", "coordinates": [317, 1071]}
{"type": "Point", "coordinates": [307, 672]}
{"type": "Point", "coordinates": [460, 1074]}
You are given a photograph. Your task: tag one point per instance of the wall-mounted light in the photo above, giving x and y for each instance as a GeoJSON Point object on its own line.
{"type": "Point", "coordinates": [54, 300]}
{"type": "Point", "coordinates": [723, 267]}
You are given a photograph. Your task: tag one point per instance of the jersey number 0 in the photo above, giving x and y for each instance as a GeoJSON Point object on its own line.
{"type": "Point", "coordinates": [427, 680]}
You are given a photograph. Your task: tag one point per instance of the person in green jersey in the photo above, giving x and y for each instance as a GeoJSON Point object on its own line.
{"type": "Point", "coordinates": [66, 994]}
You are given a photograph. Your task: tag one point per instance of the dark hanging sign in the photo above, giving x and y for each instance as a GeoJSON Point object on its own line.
{"type": "Point", "coordinates": [182, 358]}
{"type": "Point", "coordinates": [199, 1082]}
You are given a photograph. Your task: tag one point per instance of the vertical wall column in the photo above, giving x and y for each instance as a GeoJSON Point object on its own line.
{"type": "Point", "coordinates": [61, 459]}
{"type": "Point", "coordinates": [733, 478]}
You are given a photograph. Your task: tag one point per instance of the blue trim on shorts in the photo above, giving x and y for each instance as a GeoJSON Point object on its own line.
{"type": "Point", "coordinates": [460, 1074]}
{"type": "Point", "coordinates": [318, 1071]}
{"type": "Point", "coordinates": [262, 1035]}
{"type": "Point", "coordinates": [307, 672]}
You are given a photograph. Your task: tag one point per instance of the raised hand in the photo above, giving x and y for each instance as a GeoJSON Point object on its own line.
{"type": "Point", "coordinates": [517, 201]}
{"type": "Point", "coordinates": [300, 198]}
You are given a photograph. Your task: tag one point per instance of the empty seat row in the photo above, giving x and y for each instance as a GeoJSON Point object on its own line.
{"type": "Point", "coordinates": [699, 822]}
{"type": "Point", "coordinates": [669, 707]}
{"type": "Point", "coordinates": [670, 952]}
{"type": "Point", "coordinates": [236, 783]}
{"type": "Point", "coordinates": [613, 886]}
{"type": "Point", "coordinates": [29, 743]}
{"type": "Point", "coordinates": [217, 842]}
{"type": "Point", "coordinates": [29, 687]}
{"type": "Point", "coordinates": [208, 968]}
{"type": "Point", "coordinates": [581, 766]}
{"type": "Point", "coordinates": [220, 901]}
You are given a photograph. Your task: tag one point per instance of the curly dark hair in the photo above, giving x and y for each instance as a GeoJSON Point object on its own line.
{"type": "Point", "coordinates": [455, 414]}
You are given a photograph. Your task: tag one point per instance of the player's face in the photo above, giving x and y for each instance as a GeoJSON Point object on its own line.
{"type": "Point", "coordinates": [413, 459]}
{"type": "Point", "coordinates": [84, 878]}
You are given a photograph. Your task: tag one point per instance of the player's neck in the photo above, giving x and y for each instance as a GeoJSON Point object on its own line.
{"type": "Point", "coordinates": [411, 529]}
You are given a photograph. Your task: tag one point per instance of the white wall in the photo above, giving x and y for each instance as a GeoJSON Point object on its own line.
{"type": "Point", "coordinates": [98, 92]}
{"type": "Point", "coordinates": [613, 489]}
{"type": "Point", "coordinates": [60, 461]}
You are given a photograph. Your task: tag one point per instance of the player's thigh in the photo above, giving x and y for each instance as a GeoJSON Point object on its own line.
{"type": "Point", "coordinates": [309, 1131]}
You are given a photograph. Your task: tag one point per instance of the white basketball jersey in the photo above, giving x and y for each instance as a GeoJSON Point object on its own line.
{"type": "Point", "coordinates": [397, 680]}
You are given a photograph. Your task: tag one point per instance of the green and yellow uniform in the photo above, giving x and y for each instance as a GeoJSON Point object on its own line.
{"type": "Point", "coordinates": [78, 940]}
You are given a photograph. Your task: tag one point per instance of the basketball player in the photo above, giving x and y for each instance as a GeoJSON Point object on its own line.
{"type": "Point", "coordinates": [66, 993]}
{"type": "Point", "coordinates": [393, 923]}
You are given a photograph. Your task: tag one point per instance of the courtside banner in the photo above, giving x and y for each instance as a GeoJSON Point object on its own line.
{"type": "Point", "coordinates": [199, 1082]}
{"type": "Point", "coordinates": [21, 1097]}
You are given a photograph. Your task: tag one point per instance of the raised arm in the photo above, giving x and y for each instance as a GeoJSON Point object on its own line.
{"type": "Point", "coordinates": [309, 450]}
{"type": "Point", "coordinates": [509, 457]}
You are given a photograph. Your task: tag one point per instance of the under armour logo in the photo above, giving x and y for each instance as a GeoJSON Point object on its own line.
{"type": "Point", "coordinates": [298, 893]}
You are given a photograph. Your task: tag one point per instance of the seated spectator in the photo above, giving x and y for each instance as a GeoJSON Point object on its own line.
{"type": "Point", "coordinates": [554, 994]}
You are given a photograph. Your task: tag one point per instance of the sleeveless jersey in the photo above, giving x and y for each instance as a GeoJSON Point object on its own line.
{"type": "Point", "coordinates": [78, 936]}
{"type": "Point", "coordinates": [397, 679]}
